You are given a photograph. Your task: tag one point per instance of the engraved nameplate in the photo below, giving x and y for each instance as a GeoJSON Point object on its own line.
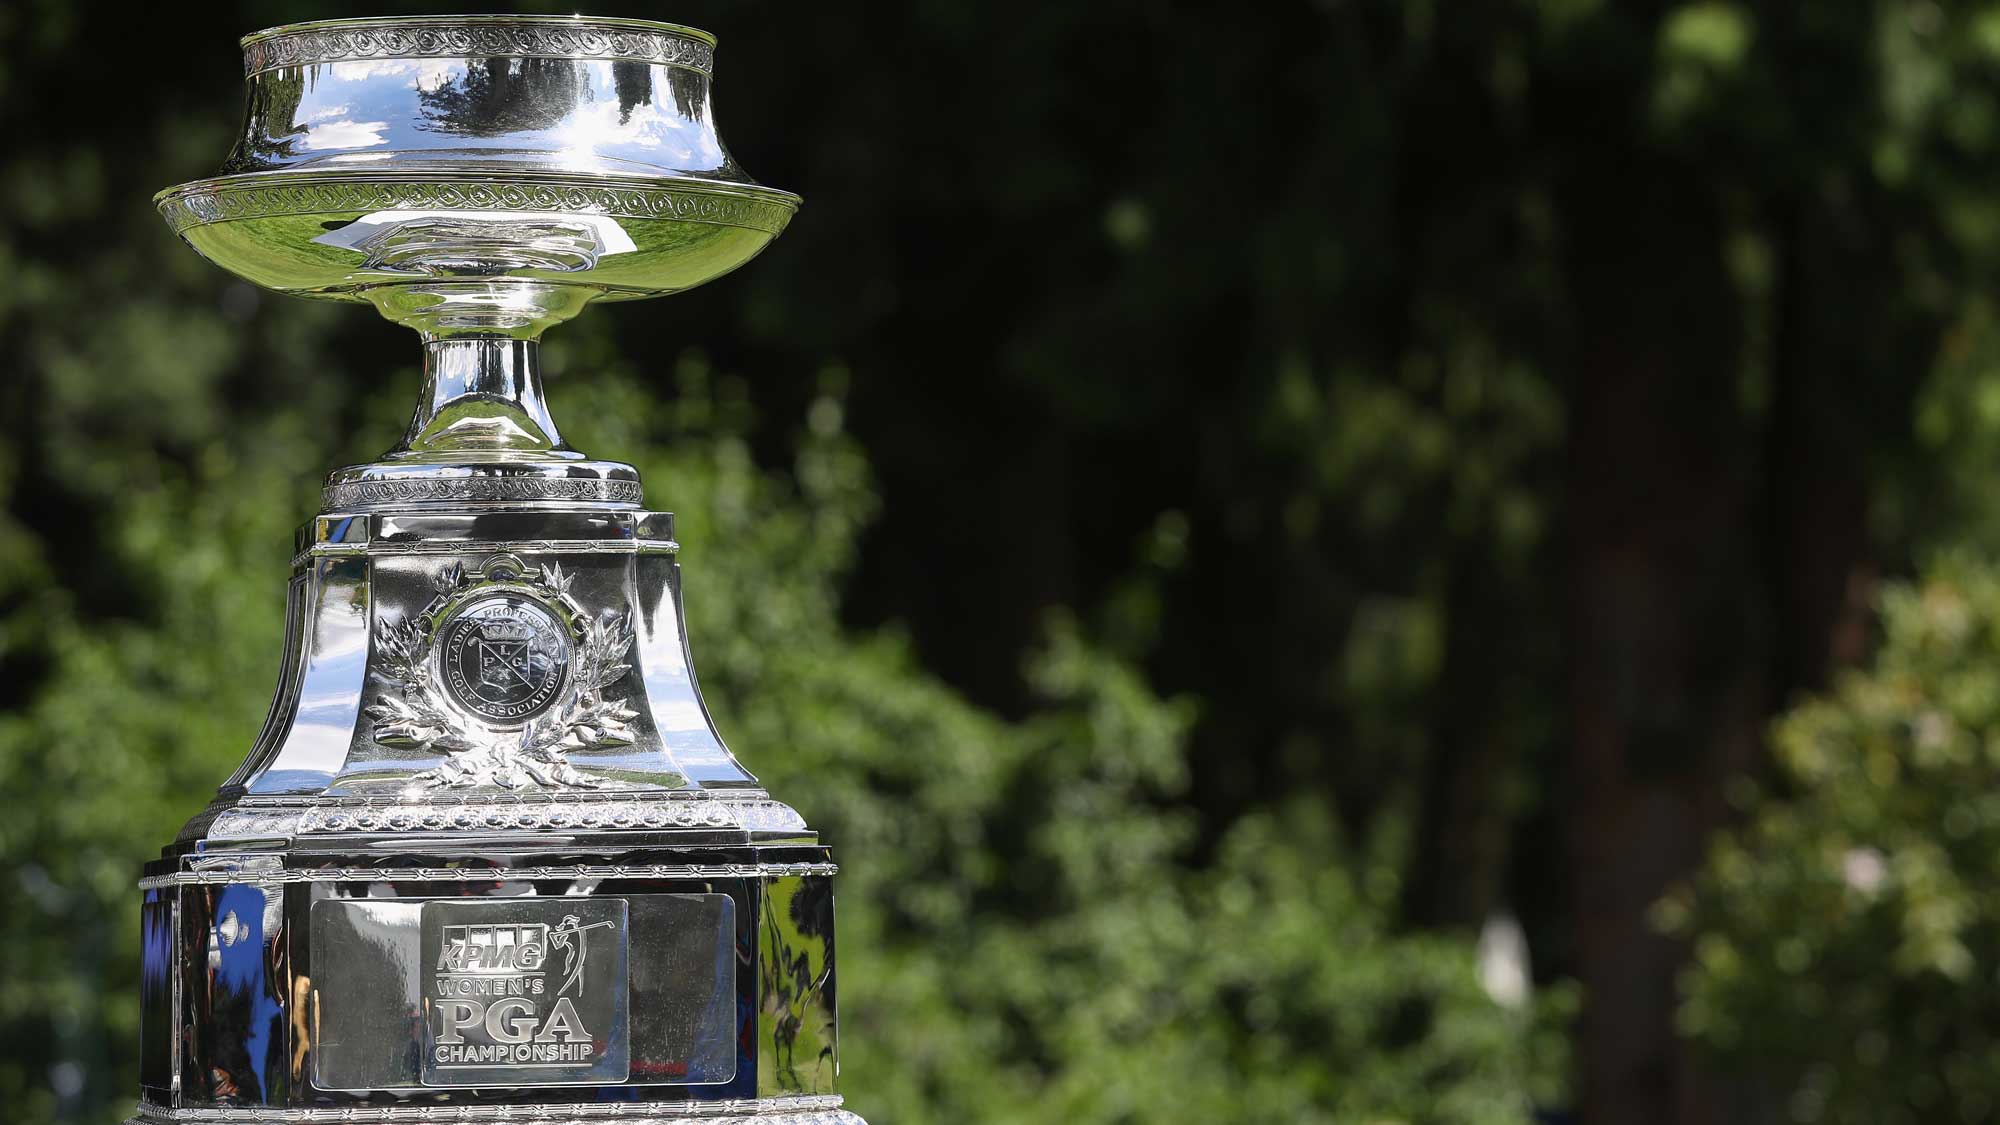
{"type": "Point", "coordinates": [523, 991]}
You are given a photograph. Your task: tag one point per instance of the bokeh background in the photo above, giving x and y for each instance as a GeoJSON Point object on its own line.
{"type": "Point", "coordinates": [1354, 561]}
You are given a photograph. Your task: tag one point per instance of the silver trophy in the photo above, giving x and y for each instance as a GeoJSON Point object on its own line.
{"type": "Point", "coordinates": [488, 859]}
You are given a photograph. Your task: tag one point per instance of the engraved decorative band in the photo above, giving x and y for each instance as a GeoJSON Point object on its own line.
{"type": "Point", "coordinates": [264, 822]}
{"type": "Point", "coordinates": [227, 200]}
{"type": "Point", "coordinates": [802, 1109]}
{"type": "Point", "coordinates": [488, 874]}
{"type": "Point", "coordinates": [361, 493]}
{"type": "Point", "coordinates": [400, 547]}
{"type": "Point", "coordinates": [533, 799]}
{"type": "Point", "coordinates": [406, 39]}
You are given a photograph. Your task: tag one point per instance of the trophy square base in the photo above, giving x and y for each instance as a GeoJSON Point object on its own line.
{"type": "Point", "coordinates": [642, 985]}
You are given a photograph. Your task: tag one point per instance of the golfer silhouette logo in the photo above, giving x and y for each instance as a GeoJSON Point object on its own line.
{"type": "Point", "coordinates": [573, 953]}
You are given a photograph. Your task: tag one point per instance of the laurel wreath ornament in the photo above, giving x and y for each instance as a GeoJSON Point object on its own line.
{"type": "Point", "coordinates": [413, 714]}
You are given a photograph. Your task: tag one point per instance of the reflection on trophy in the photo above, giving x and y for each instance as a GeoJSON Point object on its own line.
{"type": "Point", "coordinates": [488, 858]}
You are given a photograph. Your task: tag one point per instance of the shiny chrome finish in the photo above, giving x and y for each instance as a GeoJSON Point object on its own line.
{"type": "Point", "coordinates": [572, 158]}
{"type": "Point", "coordinates": [480, 394]}
{"type": "Point", "coordinates": [489, 859]}
{"type": "Point", "coordinates": [426, 262]}
{"type": "Point", "coordinates": [479, 178]}
{"type": "Point", "coordinates": [575, 93]}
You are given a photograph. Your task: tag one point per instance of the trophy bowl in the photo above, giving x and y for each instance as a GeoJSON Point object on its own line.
{"type": "Point", "coordinates": [479, 178]}
{"type": "Point", "coordinates": [478, 174]}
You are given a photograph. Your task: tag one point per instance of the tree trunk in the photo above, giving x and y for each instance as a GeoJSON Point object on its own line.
{"type": "Point", "coordinates": [1668, 633]}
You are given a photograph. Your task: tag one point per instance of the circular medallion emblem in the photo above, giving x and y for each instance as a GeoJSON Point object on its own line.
{"type": "Point", "coordinates": [504, 658]}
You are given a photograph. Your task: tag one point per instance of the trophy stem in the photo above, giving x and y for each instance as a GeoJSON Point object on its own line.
{"type": "Point", "coordinates": [481, 394]}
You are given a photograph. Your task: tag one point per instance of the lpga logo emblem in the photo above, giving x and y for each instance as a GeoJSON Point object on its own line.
{"type": "Point", "coordinates": [573, 956]}
{"type": "Point", "coordinates": [496, 1000]}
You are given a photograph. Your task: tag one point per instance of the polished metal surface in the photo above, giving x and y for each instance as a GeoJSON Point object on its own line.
{"type": "Point", "coordinates": [482, 174]}
{"type": "Point", "coordinates": [553, 93]}
{"type": "Point", "coordinates": [479, 178]}
{"type": "Point", "coordinates": [377, 700]}
{"type": "Point", "coordinates": [489, 859]}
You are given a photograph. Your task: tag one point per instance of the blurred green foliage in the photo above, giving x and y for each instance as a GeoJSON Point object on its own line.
{"type": "Point", "coordinates": [1843, 936]}
{"type": "Point", "coordinates": [1842, 933]}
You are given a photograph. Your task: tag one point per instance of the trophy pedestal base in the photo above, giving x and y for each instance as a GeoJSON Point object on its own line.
{"type": "Point", "coordinates": [502, 981]}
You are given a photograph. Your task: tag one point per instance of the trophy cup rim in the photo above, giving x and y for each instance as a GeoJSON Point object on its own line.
{"type": "Point", "coordinates": [488, 19]}
{"type": "Point", "coordinates": [573, 191]}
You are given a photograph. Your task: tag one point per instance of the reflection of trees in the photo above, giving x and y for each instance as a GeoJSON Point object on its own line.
{"type": "Point", "coordinates": [504, 96]}
{"type": "Point", "coordinates": [634, 83]}
{"type": "Point", "coordinates": [690, 92]}
{"type": "Point", "coordinates": [794, 980]}
{"type": "Point", "coordinates": [274, 100]}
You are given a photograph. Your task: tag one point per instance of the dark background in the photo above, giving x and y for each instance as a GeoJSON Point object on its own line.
{"type": "Point", "coordinates": [1467, 424]}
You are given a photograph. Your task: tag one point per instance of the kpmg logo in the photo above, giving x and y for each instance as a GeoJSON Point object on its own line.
{"type": "Point", "coordinates": [493, 950]}
{"type": "Point", "coordinates": [511, 992]}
